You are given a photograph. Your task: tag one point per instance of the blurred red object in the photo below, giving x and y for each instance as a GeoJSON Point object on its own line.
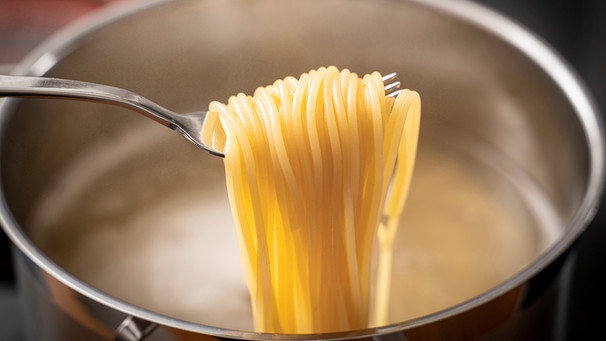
{"type": "Point", "coordinates": [25, 23]}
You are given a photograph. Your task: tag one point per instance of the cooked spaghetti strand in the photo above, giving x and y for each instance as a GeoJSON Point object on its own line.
{"type": "Point", "coordinates": [318, 170]}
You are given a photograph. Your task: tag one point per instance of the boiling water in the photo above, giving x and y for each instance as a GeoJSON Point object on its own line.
{"type": "Point", "coordinates": [138, 219]}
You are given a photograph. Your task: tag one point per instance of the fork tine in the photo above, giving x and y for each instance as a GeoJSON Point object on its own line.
{"type": "Point", "coordinates": [390, 89]}
{"type": "Point", "coordinates": [389, 77]}
{"type": "Point", "coordinates": [392, 84]}
{"type": "Point", "coordinates": [395, 93]}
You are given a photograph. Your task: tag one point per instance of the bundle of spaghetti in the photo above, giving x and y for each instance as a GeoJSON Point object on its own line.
{"type": "Point", "coordinates": [308, 165]}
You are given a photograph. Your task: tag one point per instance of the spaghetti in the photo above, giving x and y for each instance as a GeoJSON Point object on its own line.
{"type": "Point", "coordinates": [309, 163]}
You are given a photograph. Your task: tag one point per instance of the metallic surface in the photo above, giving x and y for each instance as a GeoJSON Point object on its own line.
{"type": "Point", "coordinates": [188, 125]}
{"type": "Point", "coordinates": [479, 74]}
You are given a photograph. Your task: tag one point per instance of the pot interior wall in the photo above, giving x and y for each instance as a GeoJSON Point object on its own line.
{"type": "Point", "coordinates": [106, 194]}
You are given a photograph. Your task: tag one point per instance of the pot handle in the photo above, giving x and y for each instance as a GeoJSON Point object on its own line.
{"type": "Point", "coordinates": [134, 329]}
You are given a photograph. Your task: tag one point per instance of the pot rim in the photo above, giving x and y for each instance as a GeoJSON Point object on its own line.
{"type": "Point", "coordinates": [47, 54]}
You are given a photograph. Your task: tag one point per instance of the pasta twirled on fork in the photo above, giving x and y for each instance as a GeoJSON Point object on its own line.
{"type": "Point", "coordinates": [318, 169]}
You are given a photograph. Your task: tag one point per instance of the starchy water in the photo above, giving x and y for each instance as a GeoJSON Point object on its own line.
{"type": "Point", "coordinates": [137, 219]}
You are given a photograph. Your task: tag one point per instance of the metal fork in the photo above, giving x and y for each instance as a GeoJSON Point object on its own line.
{"type": "Point", "coordinates": [188, 125]}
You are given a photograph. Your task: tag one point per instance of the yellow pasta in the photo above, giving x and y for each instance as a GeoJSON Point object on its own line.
{"type": "Point", "coordinates": [309, 163]}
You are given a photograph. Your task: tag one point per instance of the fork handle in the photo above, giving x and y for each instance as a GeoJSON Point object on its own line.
{"type": "Point", "coordinates": [45, 87]}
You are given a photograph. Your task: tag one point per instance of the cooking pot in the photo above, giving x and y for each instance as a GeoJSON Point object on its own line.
{"type": "Point", "coordinates": [121, 229]}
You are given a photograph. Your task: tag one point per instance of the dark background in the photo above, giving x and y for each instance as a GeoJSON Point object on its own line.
{"type": "Point", "coordinates": [575, 28]}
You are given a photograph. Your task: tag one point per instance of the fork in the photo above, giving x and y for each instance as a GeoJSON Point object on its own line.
{"type": "Point", "coordinates": [188, 125]}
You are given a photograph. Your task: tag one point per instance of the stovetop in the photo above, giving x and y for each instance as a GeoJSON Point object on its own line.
{"type": "Point", "coordinates": [574, 28]}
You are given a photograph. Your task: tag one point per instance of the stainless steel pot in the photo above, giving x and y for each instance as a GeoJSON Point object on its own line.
{"type": "Point", "coordinates": [500, 109]}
